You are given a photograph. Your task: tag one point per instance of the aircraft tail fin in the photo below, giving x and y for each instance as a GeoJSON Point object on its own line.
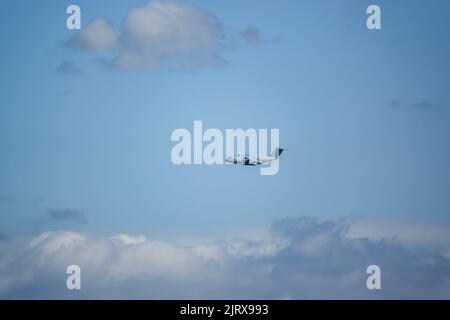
{"type": "Point", "coordinates": [277, 152]}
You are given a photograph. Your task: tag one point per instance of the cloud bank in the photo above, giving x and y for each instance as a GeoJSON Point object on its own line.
{"type": "Point", "coordinates": [302, 258]}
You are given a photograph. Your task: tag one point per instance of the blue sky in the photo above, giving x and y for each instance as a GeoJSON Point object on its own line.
{"type": "Point", "coordinates": [99, 141]}
{"type": "Point", "coordinates": [363, 113]}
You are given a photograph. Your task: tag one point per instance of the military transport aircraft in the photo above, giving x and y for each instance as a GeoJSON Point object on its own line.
{"type": "Point", "coordinates": [249, 161]}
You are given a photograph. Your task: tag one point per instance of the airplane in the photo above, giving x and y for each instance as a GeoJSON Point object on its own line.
{"type": "Point", "coordinates": [248, 161]}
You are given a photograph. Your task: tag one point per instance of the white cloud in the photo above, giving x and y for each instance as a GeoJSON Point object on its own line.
{"type": "Point", "coordinates": [162, 32]}
{"type": "Point", "coordinates": [98, 35]}
{"type": "Point", "coordinates": [302, 258]}
{"type": "Point", "coordinates": [127, 239]}
{"type": "Point", "coordinates": [154, 259]}
{"type": "Point", "coordinates": [168, 33]}
{"type": "Point", "coordinates": [167, 29]}
{"type": "Point", "coordinates": [314, 245]}
{"type": "Point", "coordinates": [49, 242]}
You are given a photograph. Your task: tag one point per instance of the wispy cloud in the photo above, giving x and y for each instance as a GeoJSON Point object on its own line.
{"type": "Point", "coordinates": [252, 36]}
{"type": "Point", "coordinates": [418, 105]}
{"type": "Point", "coordinates": [424, 104]}
{"type": "Point", "coordinates": [13, 200]}
{"type": "Point", "coordinates": [129, 239]}
{"type": "Point", "coordinates": [67, 215]}
{"type": "Point", "coordinates": [4, 199]}
{"type": "Point", "coordinates": [68, 67]}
